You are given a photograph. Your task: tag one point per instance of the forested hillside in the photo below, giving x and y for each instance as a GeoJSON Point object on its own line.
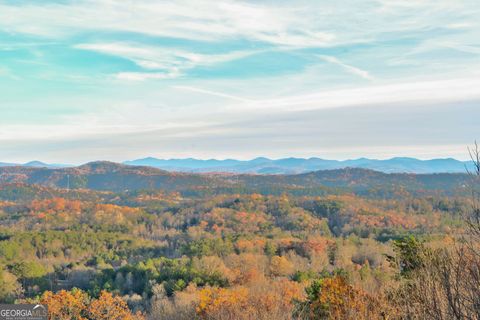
{"type": "Point", "coordinates": [145, 243]}
{"type": "Point", "coordinates": [109, 176]}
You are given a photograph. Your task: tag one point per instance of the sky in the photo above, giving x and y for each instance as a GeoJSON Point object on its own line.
{"type": "Point", "coordinates": [120, 80]}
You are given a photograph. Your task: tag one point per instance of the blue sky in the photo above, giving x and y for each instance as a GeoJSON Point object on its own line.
{"type": "Point", "coordinates": [117, 80]}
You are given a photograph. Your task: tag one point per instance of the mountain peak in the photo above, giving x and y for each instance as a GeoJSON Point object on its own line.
{"type": "Point", "coordinates": [36, 163]}
{"type": "Point", "coordinates": [101, 166]}
{"type": "Point", "coordinates": [260, 159]}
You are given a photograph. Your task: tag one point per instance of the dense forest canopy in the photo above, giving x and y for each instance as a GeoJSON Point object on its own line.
{"type": "Point", "coordinates": [145, 243]}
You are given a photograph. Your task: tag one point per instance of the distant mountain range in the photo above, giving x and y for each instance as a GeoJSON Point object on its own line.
{"type": "Point", "coordinates": [285, 166]}
{"type": "Point", "coordinates": [110, 176]}
{"type": "Point", "coordinates": [34, 164]}
{"type": "Point", "coordinates": [301, 165]}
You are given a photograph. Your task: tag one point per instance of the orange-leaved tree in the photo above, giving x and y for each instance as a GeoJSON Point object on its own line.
{"type": "Point", "coordinates": [335, 298]}
{"type": "Point", "coordinates": [108, 307]}
{"type": "Point", "coordinates": [77, 305]}
{"type": "Point", "coordinates": [66, 305]}
{"type": "Point", "coordinates": [221, 303]}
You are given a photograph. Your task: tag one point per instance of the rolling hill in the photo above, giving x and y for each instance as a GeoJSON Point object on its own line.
{"type": "Point", "coordinates": [116, 177]}
{"type": "Point", "coordinates": [103, 175]}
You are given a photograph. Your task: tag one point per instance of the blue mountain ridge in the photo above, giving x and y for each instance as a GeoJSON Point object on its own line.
{"type": "Point", "coordinates": [263, 165]}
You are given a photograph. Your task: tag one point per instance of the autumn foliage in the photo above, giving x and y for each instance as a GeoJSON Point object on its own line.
{"type": "Point", "coordinates": [66, 305]}
{"type": "Point", "coordinates": [76, 304]}
{"type": "Point", "coordinates": [227, 254]}
{"type": "Point", "coordinates": [261, 301]}
{"type": "Point", "coordinates": [334, 298]}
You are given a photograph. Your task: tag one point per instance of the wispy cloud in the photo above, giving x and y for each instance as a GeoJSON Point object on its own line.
{"type": "Point", "coordinates": [142, 76]}
{"type": "Point", "coordinates": [6, 72]}
{"type": "Point", "coordinates": [211, 77]}
{"type": "Point", "coordinates": [213, 93]}
{"type": "Point", "coordinates": [295, 24]}
{"type": "Point", "coordinates": [172, 61]}
{"type": "Point", "coordinates": [436, 91]}
{"type": "Point", "coordinates": [207, 20]}
{"type": "Point", "coordinates": [353, 70]}
{"type": "Point", "coordinates": [429, 45]}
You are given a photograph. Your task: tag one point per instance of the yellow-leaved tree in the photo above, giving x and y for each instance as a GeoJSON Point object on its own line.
{"type": "Point", "coordinates": [77, 305]}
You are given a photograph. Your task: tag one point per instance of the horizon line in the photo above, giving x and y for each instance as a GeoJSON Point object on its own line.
{"type": "Point", "coordinates": [69, 164]}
